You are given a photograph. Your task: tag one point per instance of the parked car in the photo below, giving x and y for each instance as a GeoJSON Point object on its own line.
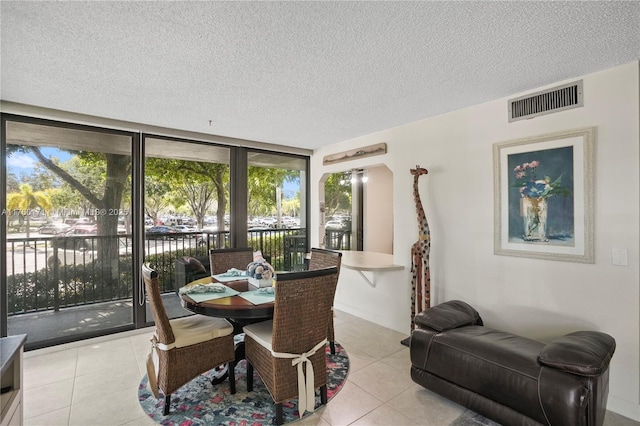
{"type": "Point", "coordinates": [335, 224]}
{"type": "Point", "coordinates": [53, 228]}
{"type": "Point", "coordinates": [80, 230]}
{"type": "Point", "coordinates": [79, 221]}
{"type": "Point", "coordinates": [290, 222]}
{"type": "Point", "coordinates": [268, 222]}
{"type": "Point", "coordinates": [161, 232]}
{"type": "Point", "coordinates": [73, 243]}
{"type": "Point", "coordinates": [186, 229]}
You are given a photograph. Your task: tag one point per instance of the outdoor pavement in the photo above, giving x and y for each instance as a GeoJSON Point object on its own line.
{"type": "Point", "coordinates": [75, 320]}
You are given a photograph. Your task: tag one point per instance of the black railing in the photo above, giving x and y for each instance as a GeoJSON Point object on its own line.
{"type": "Point", "coordinates": [337, 239]}
{"type": "Point", "coordinates": [50, 273]}
{"type": "Point", "coordinates": [271, 242]}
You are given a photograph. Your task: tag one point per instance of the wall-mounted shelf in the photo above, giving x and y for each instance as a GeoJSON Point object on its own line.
{"type": "Point", "coordinates": [363, 261]}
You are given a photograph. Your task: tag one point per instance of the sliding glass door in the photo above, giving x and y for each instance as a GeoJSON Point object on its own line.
{"type": "Point", "coordinates": [83, 207]}
{"type": "Point", "coordinates": [68, 260]}
{"type": "Point", "coordinates": [186, 209]}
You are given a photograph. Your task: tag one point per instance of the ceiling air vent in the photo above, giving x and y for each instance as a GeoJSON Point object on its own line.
{"type": "Point", "coordinates": [548, 101]}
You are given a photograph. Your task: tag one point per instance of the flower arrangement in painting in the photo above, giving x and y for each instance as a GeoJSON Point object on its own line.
{"type": "Point", "coordinates": [534, 192]}
{"type": "Point", "coordinates": [532, 187]}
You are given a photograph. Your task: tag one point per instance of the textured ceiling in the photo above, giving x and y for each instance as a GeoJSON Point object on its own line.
{"type": "Point", "coordinates": [304, 74]}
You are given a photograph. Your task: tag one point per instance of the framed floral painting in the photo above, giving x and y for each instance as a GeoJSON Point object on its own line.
{"type": "Point", "coordinates": [543, 192]}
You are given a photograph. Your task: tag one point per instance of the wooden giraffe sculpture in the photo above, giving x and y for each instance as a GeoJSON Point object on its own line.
{"type": "Point", "coordinates": [420, 253]}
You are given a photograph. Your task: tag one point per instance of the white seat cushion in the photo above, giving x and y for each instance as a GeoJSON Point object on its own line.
{"type": "Point", "coordinates": [198, 328]}
{"type": "Point", "coordinates": [261, 332]}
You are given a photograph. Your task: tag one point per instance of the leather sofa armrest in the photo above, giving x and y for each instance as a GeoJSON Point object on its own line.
{"type": "Point", "coordinates": [584, 353]}
{"type": "Point", "coordinates": [448, 315]}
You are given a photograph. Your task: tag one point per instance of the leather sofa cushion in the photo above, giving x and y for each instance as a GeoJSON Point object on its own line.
{"type": "Point", "coordinates": [449, 315]}
{"type": "Point", "coordinates": [586, 353]}
{"type": "Point", "coordinates": [498, 365]}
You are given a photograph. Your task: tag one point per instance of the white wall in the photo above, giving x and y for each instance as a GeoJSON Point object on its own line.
{"type": "Point", "coordinates": [536, 298]}
{"type": "Point", "coordinates": [378, 210]}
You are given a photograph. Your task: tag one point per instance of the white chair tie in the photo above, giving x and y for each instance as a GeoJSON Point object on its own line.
{"type": "Point", "coordinates": [153, 367]}
{"type": "Point", "coordinates": [163, 347]}
{"type": "Point", "coordinates": [306, 388]}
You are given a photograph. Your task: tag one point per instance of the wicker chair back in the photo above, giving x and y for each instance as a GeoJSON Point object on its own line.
{"type": "Point", "coordinates": [224, 259]}
{"type": "Point", "coordinates": [177, 366]}
{"type": "Point", "coordinates": [163, 326]}
{"type": "Point", "coordinates": [299, 325]}
{"type": "Point", "coordinates": [302, 301]}
{"type": "Point", "coordinates": [323, 258]}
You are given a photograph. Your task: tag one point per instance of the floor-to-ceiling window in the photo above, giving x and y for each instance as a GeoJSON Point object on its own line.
{"type": "Point", "coordinates": [277, 208]}
{"type": "Point", "coordinates": [68, 253]}
{"type": "Point", "coordinates": [83, 207]}
{"type": "Point", "coordinates": [186, 207]}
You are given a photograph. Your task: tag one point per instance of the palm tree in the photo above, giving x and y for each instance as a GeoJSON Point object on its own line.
{"type": "Point", "coordinates": [26, 200]}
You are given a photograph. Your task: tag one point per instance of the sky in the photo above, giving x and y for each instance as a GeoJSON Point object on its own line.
{"type": "Point", "coordinates": [20, 160]}
{"type": "Point", "coordinates": [21, 163]}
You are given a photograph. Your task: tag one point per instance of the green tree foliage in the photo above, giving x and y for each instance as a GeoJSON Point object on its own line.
{"type": "Point", "coordinates": [263, 184]}
{"type": "Point", "coordinates": [41, 178]}
{"type": "Point", "coordinates": [27, 200]}
{"type": "Point", "coordinates": [337, 193]}
{"type": "Point", "coordinates": [89, 171]}
{"type": "Point", "coordinates": [156, 198]}
{"type": "Point", "coordinates": [65, 200]}
{"type": "Point", "coordinates": [13, 184]}
{"type": "Point", "coordinates": [199, 198]}
{"type": "Point", "coordinates": [114, 170]}
{"type": "Point", "coordinates": [291, 207]}
{"type": "Point", "coordinates": [195, 182]}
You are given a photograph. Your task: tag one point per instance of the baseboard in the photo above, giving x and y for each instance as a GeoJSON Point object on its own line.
{"type": "Point", "coordinates": [623, 407]}
{"type": "Point", "coordinates": [86, 342]}
{"type": "Point", "coordinates": [369, 316]}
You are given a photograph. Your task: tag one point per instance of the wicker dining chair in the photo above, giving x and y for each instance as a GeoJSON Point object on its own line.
{"type": "Point", "coordinates": [224, 259]}
{"type": "Point", "coordinates": [322, 258]}
{"type": "Point", "coordinates": [277, 349]}
{"type": "Point", "coordinates": [184, 348]}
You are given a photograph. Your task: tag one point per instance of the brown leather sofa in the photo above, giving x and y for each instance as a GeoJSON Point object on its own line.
{"type": "Point", "coordinates": [507, 378]}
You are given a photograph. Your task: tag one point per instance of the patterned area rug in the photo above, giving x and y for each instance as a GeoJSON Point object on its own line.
{"type": "Point", "coordinates": [200, 403]}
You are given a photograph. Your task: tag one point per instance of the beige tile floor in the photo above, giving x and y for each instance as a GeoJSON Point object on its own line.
{"type": "Point", "coordinates": [95, 382]}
